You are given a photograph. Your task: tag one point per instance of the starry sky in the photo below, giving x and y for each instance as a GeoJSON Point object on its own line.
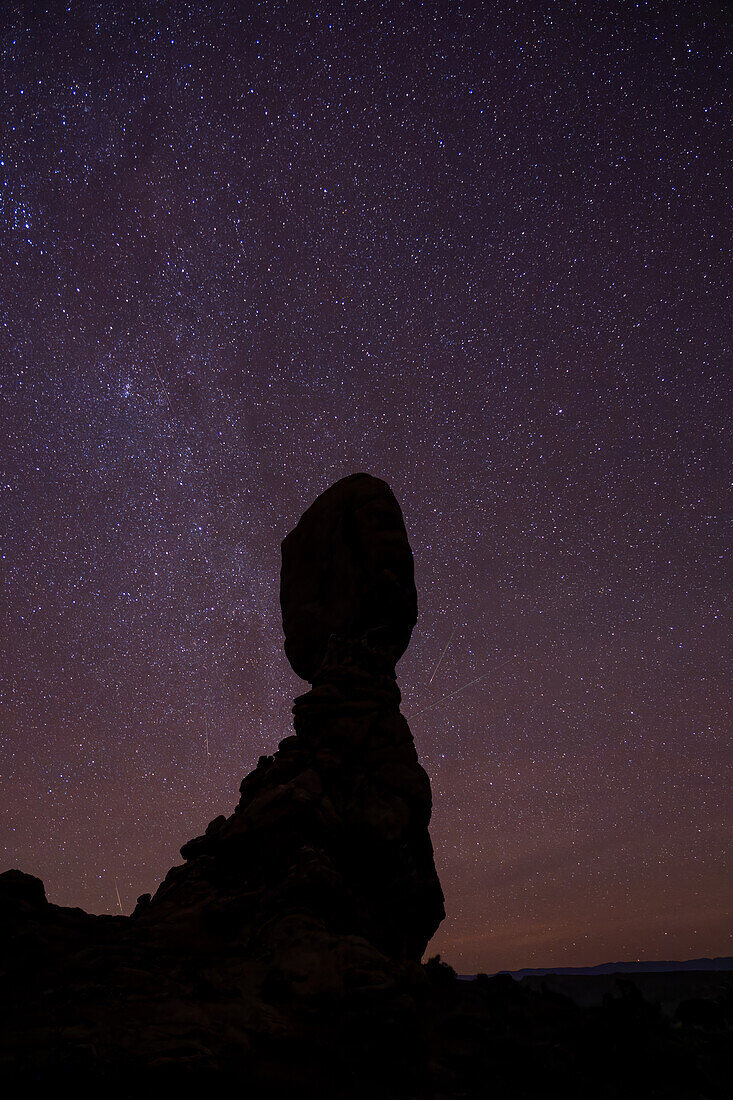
{"type": "Point", "coordinates": [476, 250]}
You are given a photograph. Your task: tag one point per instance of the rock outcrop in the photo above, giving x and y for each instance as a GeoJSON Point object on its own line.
{"type": "Point", "coordinates": [282, 957]}
{"type": "Point", "coordinates": [326, 866]}
{"type": "Point", "coordinates": [321, 885]}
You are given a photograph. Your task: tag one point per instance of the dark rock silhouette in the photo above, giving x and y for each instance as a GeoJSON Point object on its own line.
{"type": "Point", "coordinates": [320, 886]}
{"type": "Point", "coordinates": [328, 853]}
{"type": "Point", "coordinates": [347, 570]}
{"type": "Point", "coordinates": [283, 956]}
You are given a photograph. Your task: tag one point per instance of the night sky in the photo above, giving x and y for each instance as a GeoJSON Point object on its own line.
{"type": "Point", "coordinates": [476, 250]}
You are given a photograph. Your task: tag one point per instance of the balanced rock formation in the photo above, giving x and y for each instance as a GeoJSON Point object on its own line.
{"type": "Point", "coordinates": [330, 838]}
{"type": "Point", "coordinates": [320, 889]}
{"type": "Point", "coordinates": [282, 957]}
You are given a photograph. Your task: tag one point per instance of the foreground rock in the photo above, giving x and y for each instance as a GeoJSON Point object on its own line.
{"type": "Point", "coordinates": [283, 956]}
{"type": "Point", "coordinates": [319, 890]}
{"type": "Point", "coordinates": [325, 870]}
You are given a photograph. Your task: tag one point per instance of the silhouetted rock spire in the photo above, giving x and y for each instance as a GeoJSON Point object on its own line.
{"type": "Point", "coordinates": [330, 838]}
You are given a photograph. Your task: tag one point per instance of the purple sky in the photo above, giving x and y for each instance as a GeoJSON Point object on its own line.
{"type": "Point", "coordinates": [479, 254]}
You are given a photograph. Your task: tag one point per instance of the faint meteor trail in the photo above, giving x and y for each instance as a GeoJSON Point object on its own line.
{"type": "Point", "coordinates": [444, 698]}
{"type": "Point", "coordinates": [440, 659]}
{"type": "Point", "coordinates": [119, 902]}
{"type": "Point", "coordinates": [164, 389]}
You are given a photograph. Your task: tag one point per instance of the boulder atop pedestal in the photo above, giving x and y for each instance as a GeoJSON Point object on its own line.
{"type": "Point", "coordinates": [330, 838]}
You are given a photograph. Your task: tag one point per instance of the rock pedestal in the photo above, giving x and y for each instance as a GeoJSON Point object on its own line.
{"type": "Point", "coordinates": [327, 857]}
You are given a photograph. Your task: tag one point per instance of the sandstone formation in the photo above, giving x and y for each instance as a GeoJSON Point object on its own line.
{"type": "Point", "coordinates": [321, 885]}
{"type": "Point", "coordinates": [282, 958]}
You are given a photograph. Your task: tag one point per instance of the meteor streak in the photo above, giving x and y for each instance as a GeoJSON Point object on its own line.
{"type": "Point", "coordinates": [119, 902]}
{"type": "Point", "coordinates": [440, 659]}
{"type": "Point", "coordinates": [164, 389]}
{"type": "Point", "coordinates": [444, 698]}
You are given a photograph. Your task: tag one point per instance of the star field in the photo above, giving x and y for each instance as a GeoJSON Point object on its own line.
{"type": "Point", "coordinates": [249, 249]}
